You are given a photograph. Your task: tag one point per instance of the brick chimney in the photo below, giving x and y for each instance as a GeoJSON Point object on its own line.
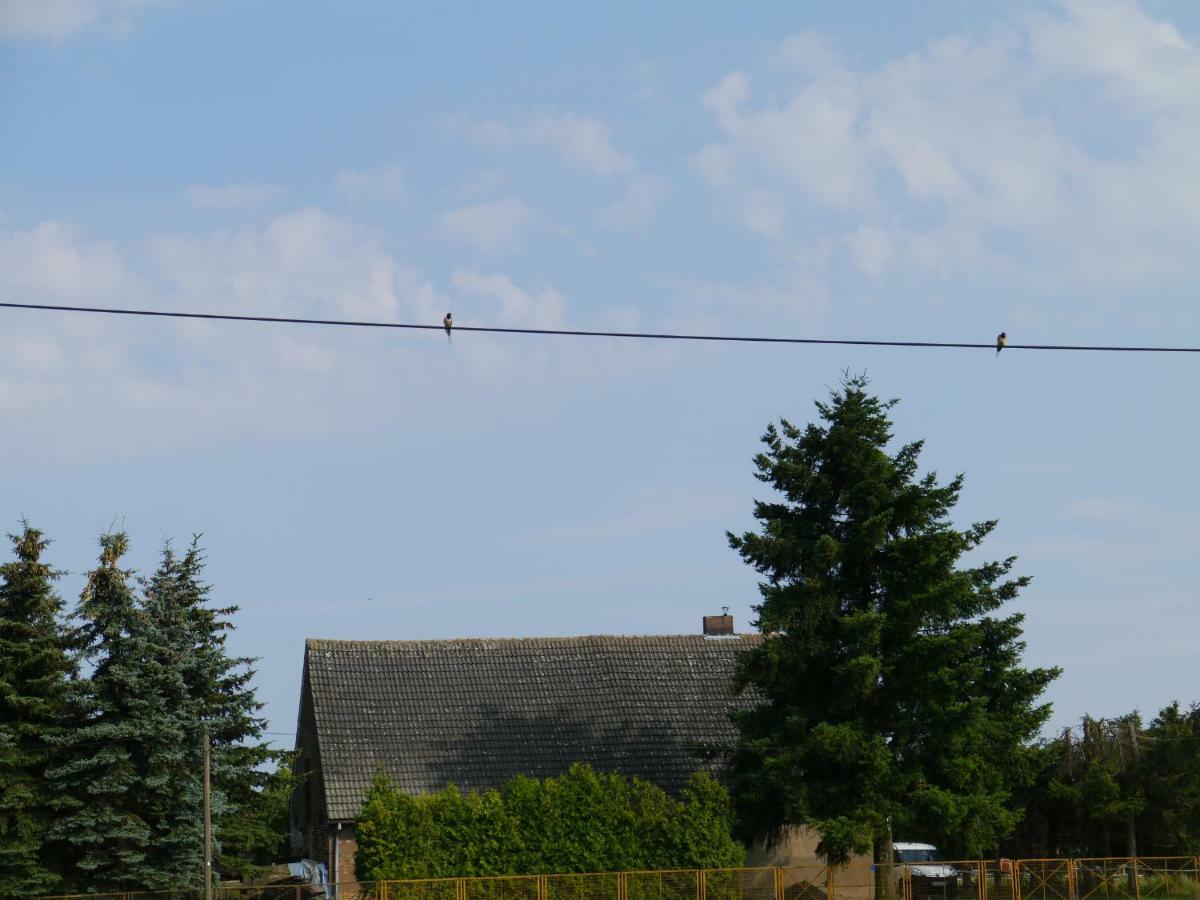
{"type": "Point", "coordinates": [719, 626]}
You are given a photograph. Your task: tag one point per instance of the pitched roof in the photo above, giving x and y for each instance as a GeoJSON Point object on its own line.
{"type": "Point", "coordinates": [477, 712]}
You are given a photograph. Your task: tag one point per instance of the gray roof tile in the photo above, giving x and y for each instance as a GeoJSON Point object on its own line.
{"type": "Point", "coordinates": [477, 712]}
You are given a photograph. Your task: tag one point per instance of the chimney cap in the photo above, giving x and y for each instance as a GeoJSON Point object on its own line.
{"type": "Point", "coordinates": [716, 626]}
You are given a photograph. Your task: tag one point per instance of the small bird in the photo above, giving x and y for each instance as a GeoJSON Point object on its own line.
{"type": "Point", "coordinates": [1001, 340]}
{"type": "Point", "coordinates": [448, 323]}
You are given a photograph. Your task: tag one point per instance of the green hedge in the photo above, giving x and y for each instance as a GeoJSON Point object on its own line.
{"type": "Point", "coordinates": [583, 821]}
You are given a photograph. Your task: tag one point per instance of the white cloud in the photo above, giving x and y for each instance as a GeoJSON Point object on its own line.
{"type": "Point", "coordinates": [647, 513]}
{"type": "Point", "coordinates": [492, 227]}
{"type": "Point", "coordinates": [873, 249]}
{"type": "Point", "coordinates": [976, 143]}
{"type": "Point", "coordinates": [638, 204]}
{"type": "Point", "coordinates": [383, 183]}
{"type": "Point", "coordinates": [812, 142]}
{"type": "Point", "coordinates": [245, 195]}
{"type": "Point", "coordinates": [484, 181]}
{"type": "Point", "coordinates": [582, 142]}
{"type": "Point", "coordinates": [1142, 61]}
{"type": "Point", "coordinates": [509, 305]}
{"type": "Point", "coordinates": [648, 85]}
{"type": "Point", "coordinates": [806, 52]}
{"type": "Point", "coordinates": [95, 387]}
{"type": "Point", "coordinates": [60, 19]}
{"type": "Point", "coordinates": [51, 262]}
{"type": "Point", "coordinates": [111, 386]}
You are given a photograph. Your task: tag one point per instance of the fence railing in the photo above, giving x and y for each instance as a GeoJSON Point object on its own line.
{"type": "Point", "coordinates": [1141, 878]}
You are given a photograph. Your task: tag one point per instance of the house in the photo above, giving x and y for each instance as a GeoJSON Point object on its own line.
{"type": "Point", "coordinates": [478, 712]}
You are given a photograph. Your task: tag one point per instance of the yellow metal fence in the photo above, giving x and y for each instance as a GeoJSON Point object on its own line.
{"type": "Point", "coordinates": [1142, 878]}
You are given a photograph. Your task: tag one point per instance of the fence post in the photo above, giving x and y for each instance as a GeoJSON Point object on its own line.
{"type": "Point", "coordinates": [778, 883]}
{"type": "Point", "coordinates": [830, 883]}
{"type": "Point", "coordinates": [701, 887]}
{"type": "Point", "coordinates": [1137, 880]}
{"type": "Point", "coordinates": [982, 880]}
{"type": "Point", "coordinates": [1016, 878]}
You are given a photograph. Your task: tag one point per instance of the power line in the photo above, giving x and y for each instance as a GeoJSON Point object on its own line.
{"type": "Point", "coordinates": [564, 332]}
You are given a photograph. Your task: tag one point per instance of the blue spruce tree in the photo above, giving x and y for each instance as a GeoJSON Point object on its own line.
{"type": "Point", "coordinates": [35, 675]}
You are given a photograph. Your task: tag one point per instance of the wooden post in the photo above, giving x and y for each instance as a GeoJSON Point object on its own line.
{"type": "Point", "coordinates": [884, 868]}
{"type": "Point", "coordinates": [207, 817]}
{"type": "Point", "coordinates": [1131, 834]}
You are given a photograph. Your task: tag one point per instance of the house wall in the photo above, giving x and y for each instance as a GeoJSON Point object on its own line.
{"type": "Point", "coordinates": [343, 850]}
{"type": "Point", "coordinates": [796, 847]}
{"type": "Point", "coordinates": [796, 852]}
{"type": "Point", "coordinates": [307, 825]}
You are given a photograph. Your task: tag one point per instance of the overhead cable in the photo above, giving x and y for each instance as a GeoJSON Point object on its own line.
{"type": "Point", "coordinates": [566, 332]}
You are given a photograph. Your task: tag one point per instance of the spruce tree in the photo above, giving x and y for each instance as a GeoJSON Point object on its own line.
{"type": "Point", "coordinates": [1098, 780]}
{"type": "Point", "coordinates": [1170, 770]}
{"type": "Point", "coordinates": [35, 672]}
{"type": "Point", "coordinates": [890, 694]}
{"type": "Point", "coordinates": [219, 694]}
{"type": "Point", "coordinates": [131, 793]}
{"type": "Point", "coordinates": [123, 714]}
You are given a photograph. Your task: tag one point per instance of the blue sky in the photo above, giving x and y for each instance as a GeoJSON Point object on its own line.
{"type": "Point", "coordinates": [940, 171]}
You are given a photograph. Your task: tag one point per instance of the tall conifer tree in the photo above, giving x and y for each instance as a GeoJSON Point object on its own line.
{"type": "Point", "coordinates": [131, 794]}
{"type": "Point", "coordinates": [122, 715]}
{"type": "Point", "coordinates": [1170, 757]}
{"type": "Point", "coordinates": [219, 694]}
{"type": "Point", "coordinates": [35, 672]}
{"type": "Point", "coordinates": [891, 694]}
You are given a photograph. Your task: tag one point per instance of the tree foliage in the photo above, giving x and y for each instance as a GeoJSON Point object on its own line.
{"type": "Point", "coordinates": [582, 821]}
{"type": "Point", "coordinates": [100, 773]}
{"type": "Point", "coordinates": [1110, 787]}
{"type": "Point", "coordinates": [890, 691]}
{"type": "Point", "coordinates": [35, 676]}
{"type": "Point", "coordinates": [121, 714]}
{"type": "Point", "coordinates": [1168, 770]}
{"type": "Point", "coordinates": [254, 829]}
{"type": "Point", "coordinates": [217, 692]}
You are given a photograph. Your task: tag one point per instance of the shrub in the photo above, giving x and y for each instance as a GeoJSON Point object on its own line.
{"type": "Point", "coordinates": [582, 821]}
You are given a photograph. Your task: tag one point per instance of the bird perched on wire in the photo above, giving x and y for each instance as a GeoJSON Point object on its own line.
{"type": "Point", "coordinates": [1001, 340]}
{"type": "Point", "coordinates": [448, 323]}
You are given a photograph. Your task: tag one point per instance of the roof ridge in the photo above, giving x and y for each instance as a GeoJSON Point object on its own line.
{"type": "Point", "coordinates": [323, 643]}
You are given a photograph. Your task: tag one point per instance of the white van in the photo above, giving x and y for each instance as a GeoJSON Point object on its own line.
{"type": "Point", "coordinates": [929, 875]}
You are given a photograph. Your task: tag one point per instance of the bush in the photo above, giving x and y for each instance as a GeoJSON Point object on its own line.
{"type": "Point", "coordinates": [583, 821]}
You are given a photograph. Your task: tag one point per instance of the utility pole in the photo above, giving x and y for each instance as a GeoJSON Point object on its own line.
{"type": "Point", "coordinates": [1131, 834]}
{"type": "Point", "coordinates": [207, 816]}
